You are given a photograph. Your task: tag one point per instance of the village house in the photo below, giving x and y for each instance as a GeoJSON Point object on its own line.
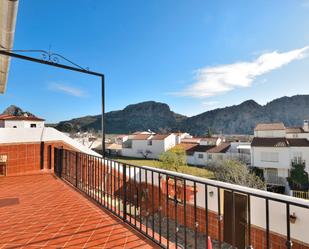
{"type": "Point", "coordinates": [274, 148]}
{"type": "Point", "coordinates": [147, 145]}
{"type": "Point", "coordinates": [10, 121]}
{"type": "Point", "coordinates": [204, 155]}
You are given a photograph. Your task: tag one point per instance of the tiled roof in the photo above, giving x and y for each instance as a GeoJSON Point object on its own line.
{"type": "Point", "coordinates": [298, 142]}
{"type": "Point", "coordinates": [121, 136]}
{"type": "Point", "coordinates": [190, 148]}
{"type": "Point", "coordinates": [294, 130]}
{"type": "Point", "coordinates": [269, 142]}
{"type": "Point", "coordinates": [210, 139]}
{"type": "Point", "coordinates": [279, 142]}
{"type": "Point", "coordinates": [160, 136]}
{"type": "Point", "coordinates": [11, 117]}
{"type": "Point", "coordinates": [112, 146]}
{"type": "Point", "coordinates": [269, 127]}
{"type": "Point", "coordinates": [141, 137]}
{"type": "Point", "coordinates": [221, 148]}
{"type": "Point", "coordinates": [191, 140]}
{"type": "Point", "coordinates": [199, 148]}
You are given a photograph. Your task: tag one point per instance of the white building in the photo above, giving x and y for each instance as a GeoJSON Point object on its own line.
{"type": "Point", "coordinates": [203, 155]}
{"type": "Point", "coordinates": [240, 151]}
{"type": "Point", "coordinates": [275, 147]}
{"type": "Point", "coordinates": [10, 121]}
{"type": "Point", "coordinates": [147, 145]}
{"type": "Point", "coordinates": [47, 134]}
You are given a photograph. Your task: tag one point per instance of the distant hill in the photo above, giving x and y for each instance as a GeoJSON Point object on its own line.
{"type": "Point", "coordinates": [242, 118]}
{"type": "Point", "coordinates": [16, 111]}
{"type": "Point", "coordinates": [143, 116]}
{"type": "Point", "coordinates": [158, 117]}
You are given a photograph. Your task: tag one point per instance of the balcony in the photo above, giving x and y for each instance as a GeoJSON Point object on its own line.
{"type": "Point", "coordinates": [100, 203]}
{"type": "Point", "coordinates": [43, 211]}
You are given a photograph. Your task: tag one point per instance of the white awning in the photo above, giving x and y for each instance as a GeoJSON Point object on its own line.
{"type": "Point", "coordinates": [8, 13]}
{"type": "Point", "coordinates": [244, 147]}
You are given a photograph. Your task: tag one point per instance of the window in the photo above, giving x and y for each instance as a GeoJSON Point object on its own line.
{"type": "Point", "coordinates": [14, 126]}
{"type": "Point", "coordinates": [209, 157]}
{"type": "Point", "coordinates": [271, 175]}
{"type": "Point", "coordinates": [149, 142]}
{"type": "Point", "coordinates": [200, 156]}
{"type": "Point", "coordinates": [33, 125]}
{"type": "Point", "coordinates": [269, 156]}
{"type": "Point", "coordinates": [295, 136]}
{"type": "Point", "coordinates": [297, 157]}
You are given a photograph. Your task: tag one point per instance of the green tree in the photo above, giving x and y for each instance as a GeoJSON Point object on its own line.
{"type": "Point", "coordinates": [235, 172]}
{"type": "Point", "coordinates": [209, 132]}
{"type": "Point", "coordinates": [298, 179]}
{"type": "Point", "coordinates": [174, 158]}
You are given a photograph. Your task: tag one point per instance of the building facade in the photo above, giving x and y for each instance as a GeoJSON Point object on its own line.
{"type": "Point", "coordinates": [275, 147]}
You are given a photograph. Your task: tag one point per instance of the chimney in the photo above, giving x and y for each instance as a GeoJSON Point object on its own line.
{"type": "Point", "coordinates": [306, 125]}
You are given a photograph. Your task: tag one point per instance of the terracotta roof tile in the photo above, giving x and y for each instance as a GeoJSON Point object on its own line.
{"type": "Point", "coordinates": [221, 148]}
{"type": "Point", "coordinates": [269, 142]}
{"type": "Point", "coordinates": [294, 130]}
{"type": "Point", "coordinates": [269, 127]}
{"type": "Point", "coordinates": [160, 136]}
{"type": "Point", "coordinates": [190, 148]}
{"type": "Point", "coordinates": [11, 117]}
{"type": "Point", "coordinates": [141, 137]}
{"type": "Point", "coordinates": [191, 140]}
{"type": "Point", "coordinates": [298, 142]}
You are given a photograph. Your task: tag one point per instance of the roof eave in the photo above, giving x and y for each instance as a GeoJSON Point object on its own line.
{"type": "Point", "coordinates": [8, 16]}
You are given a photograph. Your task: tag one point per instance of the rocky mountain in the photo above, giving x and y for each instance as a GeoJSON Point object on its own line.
{"type": "Point", "coordinates": [142, 116]}
{"type": "Point", "coordinates": [158, 117]}
{"type": "Point", "coordinates": [16, 111]}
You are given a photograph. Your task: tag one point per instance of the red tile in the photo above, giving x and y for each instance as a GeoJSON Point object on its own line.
{"type": "Point", "coordinates": [45, 212]}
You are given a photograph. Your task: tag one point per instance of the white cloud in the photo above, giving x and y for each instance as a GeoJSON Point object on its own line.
{"type": "Point", "coordinates": [67, 89]}
{"type": "Point", "coordinates": [211, 81]}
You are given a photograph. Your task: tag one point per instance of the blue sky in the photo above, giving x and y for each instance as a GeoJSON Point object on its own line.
{"type": "Point", "coordinates": [193, 55]}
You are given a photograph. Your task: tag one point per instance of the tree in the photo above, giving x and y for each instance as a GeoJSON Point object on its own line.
{"type": "Point", "coordinates": [174, 158]}
{"type": "Point", "coordinates": [209, 132]}
{"type": "Point", "coordinates": [233, 171]}
{"type": "Point", "coordinates": [298, 179]}
{"type": "Point", "coordinates": [145, 153]}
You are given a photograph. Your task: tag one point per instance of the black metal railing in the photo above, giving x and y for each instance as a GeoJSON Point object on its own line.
{"type": "Point", "coordinates": [176, 210]}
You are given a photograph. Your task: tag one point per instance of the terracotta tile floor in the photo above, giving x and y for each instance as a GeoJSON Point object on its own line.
{"type": "Point", "coordinates": [41, 211]}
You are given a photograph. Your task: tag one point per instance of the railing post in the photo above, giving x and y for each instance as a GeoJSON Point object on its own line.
{"type": "Point", "coordinates": [76, 168]}
{"type": "Point", "coordinates": [60, 162]}
{"type": "Point", "coordinates": [124, 175]}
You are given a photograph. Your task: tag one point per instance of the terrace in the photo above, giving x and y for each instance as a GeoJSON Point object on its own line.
{"type": "Point", "coordinates": [96, 202]}
{"type": "Point", "coordinates": [89, 201]}
{"type": "Point", "coordinates": [40, 210]}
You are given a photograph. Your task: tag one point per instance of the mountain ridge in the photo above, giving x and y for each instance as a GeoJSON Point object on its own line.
{"type": "Point", "coordinates": [158, 117]}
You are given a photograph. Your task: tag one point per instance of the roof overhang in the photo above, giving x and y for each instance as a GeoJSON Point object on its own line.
{"type": "Point", "coordinates": [8, 13]}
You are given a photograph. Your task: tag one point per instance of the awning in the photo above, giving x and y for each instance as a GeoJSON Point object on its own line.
{"type": "Point", "coordinates": [244, 147]}
{"type": "Point", "coordinates": [8, 13]}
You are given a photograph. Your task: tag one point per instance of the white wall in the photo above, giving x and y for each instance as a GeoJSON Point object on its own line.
{"type": "Point", "coordinates": [273, 133]}
{"type": "Point", "coordinates": [23, 123]}
{"type": "Point", "coordinates": [298, 135]}
{"type": "Point", "coordinates": [157, 147]}
{"type": "Point", "coordinates": [285, 155]}
{"type": "Point", "coordinates": [34, 135]}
